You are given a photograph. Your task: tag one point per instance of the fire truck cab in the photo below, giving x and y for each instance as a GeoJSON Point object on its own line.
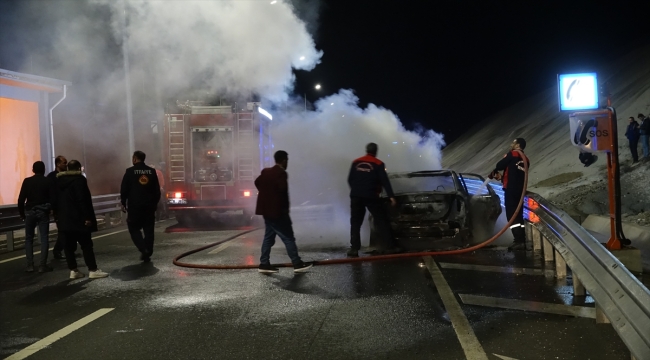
{"type": "Point", "coordinates": [213, 154]}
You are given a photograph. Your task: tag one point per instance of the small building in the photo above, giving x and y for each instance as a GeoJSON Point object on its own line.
{"type": "Point", "coordinates": [26, 105]}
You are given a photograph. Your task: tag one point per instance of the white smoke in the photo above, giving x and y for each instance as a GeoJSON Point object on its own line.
{"type": "Point", "coordinates": [234, 46]}
{"type": "Point", "coordinates": [322, 145]}
{"type": "Point", "coordinates": [229, 47]}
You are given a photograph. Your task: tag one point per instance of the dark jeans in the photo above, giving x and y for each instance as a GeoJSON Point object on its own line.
{"type": "Point", "coordinates": [518, 227]}
{"type": "Point", "coordinates": [281, 227]}
{"type": "Point", "coordinates": [358, 207]}
{"type": "Point", "coordinates": [644, 146]}
{"type": "Point", "coordinates": [34, 218]}
{"type": "Point", "coordinates": [142, 220]}
{"type": "Point", "coordinates": [86, 242]}
{"type": "Point", "coordinates": [633, 149]}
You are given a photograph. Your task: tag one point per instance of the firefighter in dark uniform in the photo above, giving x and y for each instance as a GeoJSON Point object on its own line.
{"type": "Point", "coordinates": [513, 177]}
{"type": "Point", "coordinates": [366, 178]}
{"type": "Point", "coordinates": [140, 193]}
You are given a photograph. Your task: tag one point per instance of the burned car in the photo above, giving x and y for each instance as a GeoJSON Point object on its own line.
{"type": "Point", "coordinates": [439, 209]}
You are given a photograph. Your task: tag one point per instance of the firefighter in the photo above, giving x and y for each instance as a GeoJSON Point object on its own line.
{"type": "Point", "coordinates": [513, 177]}
{"type": "Point", "coordinates": [140, 193]}
{"type": "Point", "coordinates": [366, 178]}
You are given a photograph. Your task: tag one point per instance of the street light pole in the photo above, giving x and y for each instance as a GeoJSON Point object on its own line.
{"type": "Point", "coordinates": [127, 81]}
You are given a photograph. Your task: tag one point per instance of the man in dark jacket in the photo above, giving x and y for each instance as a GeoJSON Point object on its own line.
{"type": "Point", "coordinates": [644, 131]}
{"type": "Point", "coordinates": [513, 177]}
{"type": "Point", "coordinates": [34, 205]}
{"type": "Point", "coordinates": [140, 193]}
{"type": "Point", "coordinates": [632, 134]}
{"type": "Point", "coordinates": [60, 165]}
{"type": "Point", "coordinates": [366, 178]}
{"type": "Point", "coordinates": [75, 216]}
{"type": "Point", "coordinates": [273, 205]}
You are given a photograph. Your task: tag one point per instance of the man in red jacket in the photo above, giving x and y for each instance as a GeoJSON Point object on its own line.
{"type": "Point", "coordinates": [273, 205]}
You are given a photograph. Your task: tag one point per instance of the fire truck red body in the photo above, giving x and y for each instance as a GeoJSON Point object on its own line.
{"type": "Point", "coordinates": [212, 156]}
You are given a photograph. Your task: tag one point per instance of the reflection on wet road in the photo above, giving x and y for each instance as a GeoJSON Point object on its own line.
{"type": "Point", "coordinates": [512, 306]}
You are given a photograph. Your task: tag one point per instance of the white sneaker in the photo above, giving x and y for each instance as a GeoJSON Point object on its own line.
{"type": "Point", "coordinates": [97, 274]}
{"type": "Point", "coordinates": [76, 274]}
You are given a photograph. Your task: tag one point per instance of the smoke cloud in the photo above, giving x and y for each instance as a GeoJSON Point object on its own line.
{"type": "Point", "coordinates": [322, 144]}
{"type": "Point", "coordinates": [232, 48]}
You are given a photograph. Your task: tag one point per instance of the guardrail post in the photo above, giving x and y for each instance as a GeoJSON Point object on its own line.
{"type": "Point", "coordinates": [578, 288]}
{"type": "Point", "coordinates": [537, 239]}
{"type": "Point", "coordinates": [548, 250]}
{"type": "Point", "coordinates": [560, 265]}
{"type": "Point", "coordinates": [10, 240]}
{"type": "Point", "coordinates": [601, 318]}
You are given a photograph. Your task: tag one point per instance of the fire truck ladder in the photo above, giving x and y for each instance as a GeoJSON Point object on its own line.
{"type": "Point", "coordinates": [245, 146]}
{"type": "Point", "coordinates": [176, 149]}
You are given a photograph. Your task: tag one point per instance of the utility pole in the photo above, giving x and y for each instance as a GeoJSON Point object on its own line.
{"type": "Point", "coordinates": [127, 81]}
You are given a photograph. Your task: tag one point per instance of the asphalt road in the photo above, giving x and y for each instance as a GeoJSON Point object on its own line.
{"type": "Point", "coordinates": [400, 309]}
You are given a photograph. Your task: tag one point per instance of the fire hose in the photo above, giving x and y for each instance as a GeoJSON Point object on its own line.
{"type": "Point", "coordinates": [177, 259]}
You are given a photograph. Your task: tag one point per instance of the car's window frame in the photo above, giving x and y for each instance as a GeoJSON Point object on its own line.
{"type": "Point", "coordinates": [458, 186]}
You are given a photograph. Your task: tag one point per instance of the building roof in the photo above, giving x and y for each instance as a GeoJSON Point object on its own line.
{"type": "Point", "coordinates": [12, 78]}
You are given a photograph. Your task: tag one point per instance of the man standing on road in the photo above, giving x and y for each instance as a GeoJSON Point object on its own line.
{"type": "Point", "coordinates": [75, 216]}
{"type": "Point", "coordinates": [632, 134]}
{"type": "Point", "coordinates": [34, 205]}
{"type": "Point", "coordinates": [140, 193]}
{"type": "Point", "coordinates": [273, 205]}
{"type": "Point", "coordinates": [513, 186]}
{"type": "Point", "coordinates": [366, 178]}
{"type": "Point", "coordinates": [644, 130]}
{"type": "Point", "coordinates": [60, 165]}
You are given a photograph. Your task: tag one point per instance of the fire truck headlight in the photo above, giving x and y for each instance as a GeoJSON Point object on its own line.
{"type": "Point", "coordinates": [247, 193]}
{"type": "Point", "coordinates": [178, 195]}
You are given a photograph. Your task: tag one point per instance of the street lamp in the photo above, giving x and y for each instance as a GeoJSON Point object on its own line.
{"type": "Point", "coordinates": [317, 87]}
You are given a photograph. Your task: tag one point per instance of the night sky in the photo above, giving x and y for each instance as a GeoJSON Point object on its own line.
{"type": "Point", "coordinates": [444, 65]}
{"type": "Point", "coordinates": [448, 65]}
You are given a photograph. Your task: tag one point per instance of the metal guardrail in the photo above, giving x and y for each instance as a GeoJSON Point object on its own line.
{"type": "Point", "coordinates": [10, 217]}
{"type": "Point", "coordinates": [617, 292]}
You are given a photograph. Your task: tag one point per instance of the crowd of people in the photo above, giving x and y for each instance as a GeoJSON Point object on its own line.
{"type": "Point", "coordinates": [64, 195]}
{"type": "Point", "coordinates": [638, 132]}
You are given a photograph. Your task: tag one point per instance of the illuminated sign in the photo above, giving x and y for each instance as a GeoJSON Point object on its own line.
{"type": "Point", "coordinates": [578, 91]}
{"type": "Point", "coordinates": [265, 113]}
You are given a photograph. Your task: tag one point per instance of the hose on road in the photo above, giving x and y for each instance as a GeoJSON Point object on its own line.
{"type": "Point", "coordinates": [177, 259]}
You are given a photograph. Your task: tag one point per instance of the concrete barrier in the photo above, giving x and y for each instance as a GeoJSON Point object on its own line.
{"type": "Point", "coordinates": [639, 235]}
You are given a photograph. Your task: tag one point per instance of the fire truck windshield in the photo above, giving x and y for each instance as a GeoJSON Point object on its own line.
{"type": "Point", "coordinates": [212, 155]}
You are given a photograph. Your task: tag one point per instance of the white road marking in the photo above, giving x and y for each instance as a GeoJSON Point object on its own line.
{"type": "Point", "coordinates": [503, 357]}
{"type": "Point", "coordinates": [49, 340]}
{"type": "Point", "coordinates": [50, 249]}
{"type": "Point", "coordinates": [470, 344]}
{"type": "Point", "coordinates": [535, 306]}
{"type": "Point", "coordinates": [500, 269]}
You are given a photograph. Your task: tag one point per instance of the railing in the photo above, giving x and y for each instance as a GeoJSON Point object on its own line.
{"type": "Point", "coordinates": [619, 295]}
{"type": "Point", "coordinates": [107, 205]}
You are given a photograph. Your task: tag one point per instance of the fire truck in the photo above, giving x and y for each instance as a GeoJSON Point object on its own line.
{"type": "Point", "coordinates": [212, 156]}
